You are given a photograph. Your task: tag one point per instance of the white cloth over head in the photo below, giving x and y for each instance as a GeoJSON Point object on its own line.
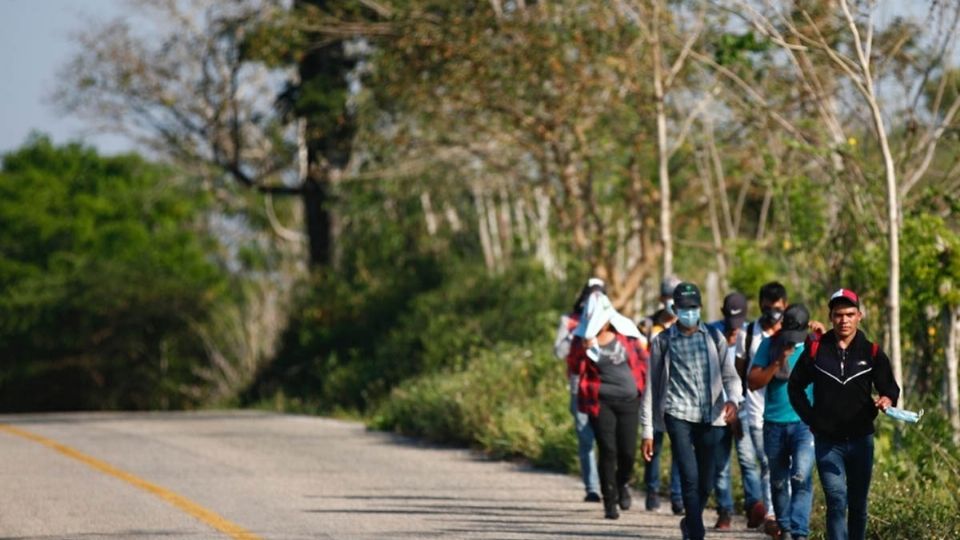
{"type": "Point", "coordinates": [597, 312]}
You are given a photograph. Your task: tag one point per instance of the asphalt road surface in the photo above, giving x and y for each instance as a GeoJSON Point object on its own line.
{"type": "Point", "coordinates": [249, 475]}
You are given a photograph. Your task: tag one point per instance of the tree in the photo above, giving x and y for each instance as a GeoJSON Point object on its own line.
{"type": "Point", "coordinates": [106, 272]}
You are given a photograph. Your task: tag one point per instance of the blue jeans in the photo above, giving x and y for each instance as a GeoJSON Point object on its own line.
{"type": "Point", "coordinates": [588, 459]}
{"type": "Point", "coordinates": [845, 468]}
{"type": "Point", "coordinates": [694, 449]}
{"type": "Point", "coordinates": [789, 448]}
{"type": "Point", "coordinates": [651, 472]}
{"type": "Point", "coordinates": [756, 436]}
{"type": "Point", "coordinates": [750, 474]}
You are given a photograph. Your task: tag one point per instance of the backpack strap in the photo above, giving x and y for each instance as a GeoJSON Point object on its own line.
{"type": "Point", "coordinates": [749, 343]}
{"type": "Point", "coordinates": [874, 350]}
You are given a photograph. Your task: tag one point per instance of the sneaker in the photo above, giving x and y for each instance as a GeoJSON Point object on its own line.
{"type": "Point", "coordinates": [676, 508]}
{"type": "Point", "coordinates": [610, 510]}
{"type": "Point", "coordinates": [772, 529]}
{"type": "Point", "coordinates": [723, 520]}
{"type": "Point", "coordinates": [653, 501]}
{"type": "Point", "coordinates": [626, 500]}
{"type": "Point", "coordinates": [756, 515]}
{"type": "Point", "coordinates": [683, 529]}
{"type": "Point", "coordinates": [592, 497]}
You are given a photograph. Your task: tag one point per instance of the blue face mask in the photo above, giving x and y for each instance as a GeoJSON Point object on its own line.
{"type": "Point", "coordinates": [688, 317]}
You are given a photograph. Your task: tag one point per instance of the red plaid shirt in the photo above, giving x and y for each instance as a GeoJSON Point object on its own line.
{"type": "Point", "coordinates": [588, 394]}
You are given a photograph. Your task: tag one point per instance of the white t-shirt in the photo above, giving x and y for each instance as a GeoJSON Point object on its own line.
{"type": "Point", "coordinates": [753, 401]}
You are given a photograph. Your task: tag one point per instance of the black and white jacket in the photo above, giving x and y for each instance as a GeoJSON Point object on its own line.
{"type": "Point", "coordinates": [843, 382]}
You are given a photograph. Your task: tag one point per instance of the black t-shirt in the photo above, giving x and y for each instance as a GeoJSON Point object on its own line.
{"type": "Point", "coordinates": [616, 377]}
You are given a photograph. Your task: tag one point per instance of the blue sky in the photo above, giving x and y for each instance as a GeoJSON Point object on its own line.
{"type": "Point", "coordinates": [34, 43]}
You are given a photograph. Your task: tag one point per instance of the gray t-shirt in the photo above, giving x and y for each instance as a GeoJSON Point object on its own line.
{"type": "Point", "coordinates": [616, 377]}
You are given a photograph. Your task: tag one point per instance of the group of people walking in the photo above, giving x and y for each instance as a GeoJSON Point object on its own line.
{"type": "Point", "coordinates": [782, 390]}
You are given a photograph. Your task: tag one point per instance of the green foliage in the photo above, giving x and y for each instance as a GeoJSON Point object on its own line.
{"type": "Point", "coordinates": [510, 401]}
{"type": "Point", "coordinates": [103, 272]}
{"type": "Point", "coordinates": [350, 343]}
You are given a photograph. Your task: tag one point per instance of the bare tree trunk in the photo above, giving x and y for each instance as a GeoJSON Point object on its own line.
{"type": "Point", "coordinates": [428, 214]}
{"type": "Point", "coordinates": [953, 391]}
{"type": "Point", "coordinates": [505, 225]}
{"type": "Point", "coordinates": [704, 170]}
{"type": "Point", "coordinates": [663, 155]}
{"type": "Point", "coordinates": [453, 218]}
{"type": "Point", "coordinates": [893, 207]}
{"type": "Point", "coordinates": [721, 182]}
{"type": "Point", "coordinates": [544, 247]}
{"type": "Point", "coordinates": [493, 226]}
{"type": "Point", "coordinates": [519, 215]}
{"type": "Point", "coordinates": [764, 212]}
{"type": "Point", "coordinates": [484, 231]}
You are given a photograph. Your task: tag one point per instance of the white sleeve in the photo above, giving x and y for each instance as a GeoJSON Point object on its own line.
{"type": "Point", "coordinates": [561, 345]}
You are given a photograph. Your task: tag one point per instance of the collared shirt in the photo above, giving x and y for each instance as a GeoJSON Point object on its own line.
{"type": "Point", "coordinates": [688, 388]}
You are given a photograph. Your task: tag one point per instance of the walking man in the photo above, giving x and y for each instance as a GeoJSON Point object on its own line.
{"type": "Point", "coordinates": [691, 381]}
{"type": "Point", "coordinates": [786, 439]}
{"type": "Point", "coordinates": [843, 368]}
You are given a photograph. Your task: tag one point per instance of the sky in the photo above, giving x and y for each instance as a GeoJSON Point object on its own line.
{"type": "Point", "coordinates": [35, 41]}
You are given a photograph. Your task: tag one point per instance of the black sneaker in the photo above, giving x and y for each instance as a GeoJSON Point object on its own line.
{"type": "Point", "coordinates": [626, 500]}
{"type": "Point", "coordinates": [653, 501]}
{"type": "Point", "coordinates": [676, 508]}
{"type": "Point", "coordinates": [592, 497]}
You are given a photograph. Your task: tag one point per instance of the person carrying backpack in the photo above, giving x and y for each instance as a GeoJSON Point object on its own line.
{"type": "Point", "coordinates": [581, 422]}
{"type": "Point", "coordinates": [786, 438]}
{"type": "Point", "coordinates": [844, 368]}
{"type": "Point", "coordinates": [691, 381]}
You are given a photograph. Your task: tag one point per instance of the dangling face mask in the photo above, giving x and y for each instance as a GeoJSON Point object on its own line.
{"type": "Point", "coordinates": [771, 316]}
{"type": "Point", "coordinates": [688, 317]}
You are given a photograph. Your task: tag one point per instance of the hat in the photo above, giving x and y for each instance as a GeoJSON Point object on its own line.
{"type": "Point", "coordinates": [686, 295]}
{"type": "Point", "coordinates": [668, 284]}
{"type": "Point", "coordinates": [793, 329]}
{"type": "Point", "coordinates": [734, 310]}
{"type": "Point", "coordinates": [844, 296]}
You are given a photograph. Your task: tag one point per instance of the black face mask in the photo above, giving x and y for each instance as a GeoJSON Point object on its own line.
{"type": "Point", "coordinates": [771, 316]}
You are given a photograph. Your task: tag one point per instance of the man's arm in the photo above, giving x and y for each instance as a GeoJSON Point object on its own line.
{"type": "Point", "coordinates": [764, 368]}
{"type": "Point", "coordinates": [884, 381]}
{"type": "Point", "coordinates": [646, 403]}
{"type": "Point", "coordinates": [800, 378]}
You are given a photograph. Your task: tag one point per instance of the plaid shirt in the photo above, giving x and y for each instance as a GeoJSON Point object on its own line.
{"type": "Point", "coordinates": [688, 392]}
{"type": "Point", "coordinates": [588, 395]}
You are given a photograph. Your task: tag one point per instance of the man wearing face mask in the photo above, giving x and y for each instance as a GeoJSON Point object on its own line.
{"type": "Point", "coordinates": [787, 440]}
{"type": "Point", "coordinates": [691, 381]}
{"type": "Point", "coordinates": [659, 321]}
{"type": "Point", "coordinates": [773, 301]}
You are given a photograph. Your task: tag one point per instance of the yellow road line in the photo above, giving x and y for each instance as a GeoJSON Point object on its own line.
{"type": "Point", "coordinates": [210, 518]}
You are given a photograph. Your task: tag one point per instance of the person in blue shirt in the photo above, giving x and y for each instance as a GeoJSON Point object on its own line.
{"type": "Point", "coordinates": [787, 440]}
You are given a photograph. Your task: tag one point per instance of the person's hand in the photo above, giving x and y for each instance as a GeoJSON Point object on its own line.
{"type": "Point", "coordinates": [736, 427]}
{"type": "Point", "coordinates": [729, 412]}
{"type": "Point", "coordinates": [646, 447]}
{"type": "Point", "coordinates": [818, 327]}
{"type": "Point", "coordinates": [883, 402]}
{"type": "Point", "coordinates": [587, 343]}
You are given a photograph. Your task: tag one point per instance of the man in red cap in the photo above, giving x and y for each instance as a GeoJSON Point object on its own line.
{"type": "Point", "coordinates": [844, 369]}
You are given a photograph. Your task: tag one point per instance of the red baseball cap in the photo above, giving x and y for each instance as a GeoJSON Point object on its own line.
{"type": "Point", "coordinates": [845, 296]}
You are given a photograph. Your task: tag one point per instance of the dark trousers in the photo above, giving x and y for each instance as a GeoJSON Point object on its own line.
{"type": "Point", "coordinates": [694, 448]}
{"type": "Point", "coordinates": [615, 428]}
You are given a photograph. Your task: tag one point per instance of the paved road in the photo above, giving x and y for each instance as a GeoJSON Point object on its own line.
{"type": "Point", "coordinates": [258, 475]}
